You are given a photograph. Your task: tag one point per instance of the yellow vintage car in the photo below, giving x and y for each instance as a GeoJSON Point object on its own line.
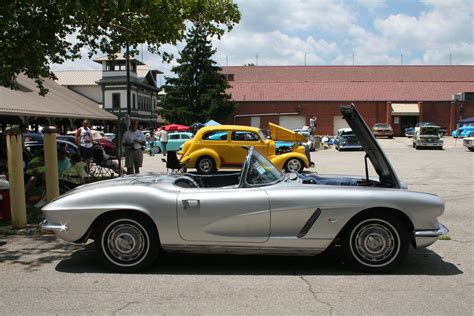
{"type": "Point", "coordinates": [225, 146]}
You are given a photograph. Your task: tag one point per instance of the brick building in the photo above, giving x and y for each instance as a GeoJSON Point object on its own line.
{"type": "Point", "coordinates": [400, 95]}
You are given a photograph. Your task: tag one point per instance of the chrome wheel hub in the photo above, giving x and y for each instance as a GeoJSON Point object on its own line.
{"type": "Point", "coordinates": [205, 165]}
{"type": "Point", "coordinates": [374, 243]}
{"type": "Point", "coordinates": [126, 242]}
{"type": "Point", "coordinates": [294, 165]}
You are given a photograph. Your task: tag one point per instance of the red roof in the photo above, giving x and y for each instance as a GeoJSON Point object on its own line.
{"type": "Point", "coordinates": [349, 83]}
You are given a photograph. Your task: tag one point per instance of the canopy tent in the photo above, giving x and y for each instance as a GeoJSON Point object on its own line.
{"type": "Point", "coordinates": [467, 120]}
{"type": "Point", "coordinates": [211, 123]}
{"type": "Point", "coordinates": [176, 128]}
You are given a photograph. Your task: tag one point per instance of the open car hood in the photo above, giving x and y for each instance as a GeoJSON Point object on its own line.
{"type": "Point", "coordinates": [374, 152]}
{"type": "Point", "coordinates": [281, 133]}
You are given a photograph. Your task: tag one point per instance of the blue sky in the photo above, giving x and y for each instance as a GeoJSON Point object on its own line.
{"type": "Point", "coordinates": [337, 32]}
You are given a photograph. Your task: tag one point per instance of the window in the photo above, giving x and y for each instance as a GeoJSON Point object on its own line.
{"type": "Point", "coordinates": [215, 135]}
{"type": "Point", "coordinates": [245, 136]}
{"type": "Point", "coordinates": [134, 101]}
{"type": "Point", "coordinates": [174, 136]}
{"type": "Point", "coordinates": [184, 136]}
{"type": "Point", "coordinates": [116, 100]}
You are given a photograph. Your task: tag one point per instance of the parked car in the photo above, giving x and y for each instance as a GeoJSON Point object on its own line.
{"type": "Point", "coordinates": [224, 146]}
{"type": "Point", "coordinates": [175, 141]}
{"type": "Point", "coordinates": [110, 136]}
{"type": "Point", "coordinates": [134, 219]}
{"type": "Point", "coordinates": [35, 147]}
{"type": "Point", "coordinates": [310, 142]}
{"type": "Point", "coordinates": [99, 136]}
{"type": "Point", "coordinates": [428, 136]}
{"type": "Point", "coordinates": [382, 129]}
{"type": "Point", "coordinates": [465, 130]}
{"type": "Point", "coordinates": [346, 139]}
{"type": "Point", "coordinates": [468, 142]}
{"type": "Point", "coordinates": [410, 131]}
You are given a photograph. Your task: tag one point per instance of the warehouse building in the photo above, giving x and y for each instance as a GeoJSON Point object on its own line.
{"type": "Point", "coordinates": [399, 95]}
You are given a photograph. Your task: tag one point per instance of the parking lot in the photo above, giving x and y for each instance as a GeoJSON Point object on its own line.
{"type": "Point", "coordinates": [42, 275]}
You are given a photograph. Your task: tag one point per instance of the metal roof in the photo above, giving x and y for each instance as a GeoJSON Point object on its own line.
{"type": "Point", "coordinates": [60, 102]}
{"type": "Point", "coordinates": [348, 83]}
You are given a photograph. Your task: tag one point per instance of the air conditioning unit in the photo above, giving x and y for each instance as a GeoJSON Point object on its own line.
{"type": "Point", "coordinates": [461, 96]}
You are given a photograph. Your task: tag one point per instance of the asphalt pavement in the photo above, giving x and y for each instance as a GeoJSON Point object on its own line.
{"type": "Point", "coordinates": [42, 275]}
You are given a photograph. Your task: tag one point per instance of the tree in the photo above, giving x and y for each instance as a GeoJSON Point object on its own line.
{"type": "Point", "coordinates": [34, 34]}
{"type": "Point", "coordinates": [197, 94]}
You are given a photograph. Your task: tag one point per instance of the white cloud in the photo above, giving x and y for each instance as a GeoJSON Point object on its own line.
{"type": "Point", "coordinates": [295, 15]}
{"type": "Point", "coordinates": [272, 48]}
{"type": "Point", "coordinates": [428, 38]}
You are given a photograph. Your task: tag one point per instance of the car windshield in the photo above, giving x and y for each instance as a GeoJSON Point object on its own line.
{"type": "Point", "coordinates": [258, 170]}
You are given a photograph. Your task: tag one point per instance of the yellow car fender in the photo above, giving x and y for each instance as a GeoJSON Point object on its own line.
{"type": "Point", "coordinates": [192, 158]}
{"type": "Point", "coordinates": [280, 160]}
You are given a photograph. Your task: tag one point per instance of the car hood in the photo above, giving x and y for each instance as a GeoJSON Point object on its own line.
{"type": "Point", "coordinates": [281, 133]}
{"type": "Point", "coordinates": [374, 152]}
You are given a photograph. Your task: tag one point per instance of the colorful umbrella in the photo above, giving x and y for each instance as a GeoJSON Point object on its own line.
{"type": "Point", "coordinates": [176, 128]}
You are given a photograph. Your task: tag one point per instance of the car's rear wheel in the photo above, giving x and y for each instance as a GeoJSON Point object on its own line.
{"type": "Point", "coordinates": [156, 150]}
{"type": "Point", "coordinates": [127, 242]}
{"type": "Point", "coordinates": [294, 165]}
{"type": "Point", "coordinates": [376, 243]}
{"type": "Point", "coordinates": [206, 165]}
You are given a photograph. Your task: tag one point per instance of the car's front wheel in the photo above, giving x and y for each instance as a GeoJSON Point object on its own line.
{"type": "Point", "coordinates": [471, 148]}
{"type": "Point", "coordinates": [294, 165]}
{"type": "Point", "coordinates": [156, 150]}
{"type": "Point", "coordinates": [376, 243]}
{"type": "Point", "coordinates": [206, 165]}
{"type": "Point", "coordinates": [127, 242]}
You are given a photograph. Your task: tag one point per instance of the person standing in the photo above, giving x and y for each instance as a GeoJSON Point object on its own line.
{"type": "Point", "coordinates": [133, 141]}
{"type": "Point", "coordinates": [84, 141]}
{"type": "Point", "coordinates": [164, 140]}
{"type": "Point", "coordinates": [312, 124]}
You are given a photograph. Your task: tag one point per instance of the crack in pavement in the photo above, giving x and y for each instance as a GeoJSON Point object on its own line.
{"type": "Point", "coordinates": [462, 241]}
{"type": "Point", "coordinates": [315, 295]}
{"type": "Point", "coordinates": [125, 306]}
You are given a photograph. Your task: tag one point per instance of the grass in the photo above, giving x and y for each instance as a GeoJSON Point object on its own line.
{"type": "Point", "coordinates": [444, 237]}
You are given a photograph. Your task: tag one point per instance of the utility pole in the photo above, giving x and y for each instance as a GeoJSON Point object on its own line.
{"type": "Point", "coordinates": [353, 59]}
{"type": "Point", "coordinates": [127, 58]}
{"type": "Point", "coordinates": [305, 59]}
{"type": "Point", "coordinates": [401, 59]}
{"type": "Point", "coordinates": [256, 60]}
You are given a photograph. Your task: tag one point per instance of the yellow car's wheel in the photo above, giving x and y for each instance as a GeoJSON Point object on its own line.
{"type": "Point", "coordinates": [206, 165]}
{"type": "Point", "coordinates": [294, 165]}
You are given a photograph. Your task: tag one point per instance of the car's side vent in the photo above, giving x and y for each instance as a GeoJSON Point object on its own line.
{"type": "Point", "coordinates": [309, 223]}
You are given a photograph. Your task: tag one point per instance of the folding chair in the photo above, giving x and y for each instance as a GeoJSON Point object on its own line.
{"type": "Point", "coordinates": [172, 163]}
{"type": "Point", "coordinates": [98, 169]}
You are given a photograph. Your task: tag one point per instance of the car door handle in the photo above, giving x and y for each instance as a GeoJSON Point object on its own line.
{"type": "Point", "coordinates": [191, 203]}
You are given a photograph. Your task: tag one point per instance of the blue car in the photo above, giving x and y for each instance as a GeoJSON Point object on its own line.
{"type": "Point", "coordinates": [175, 140]}
{"type": "Point", "coordinates": [466, 128]}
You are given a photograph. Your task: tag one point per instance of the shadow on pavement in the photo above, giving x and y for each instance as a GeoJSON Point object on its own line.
{"type": "Point", "coordinates": [33, 252]}
{"type": "Point", "coordinates": [419, 262]}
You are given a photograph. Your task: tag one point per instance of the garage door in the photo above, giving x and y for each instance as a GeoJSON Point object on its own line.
{"type": "Point", "coordinates": [339, 122]}
{"type": "Point", "coordinates": [293, 121]}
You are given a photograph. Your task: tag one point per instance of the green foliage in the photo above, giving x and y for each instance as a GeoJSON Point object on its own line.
{"type": "Point", "coordinates": [35, 33]}
{"type": "Point", "coordinates": [197, 94]}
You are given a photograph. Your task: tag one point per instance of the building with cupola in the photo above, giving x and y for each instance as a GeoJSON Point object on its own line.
{"type": "Point", "coordinates": [108, 88]}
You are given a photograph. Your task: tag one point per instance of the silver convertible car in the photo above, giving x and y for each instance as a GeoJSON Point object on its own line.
{"type": "Point", "coordinates": [259, 210]}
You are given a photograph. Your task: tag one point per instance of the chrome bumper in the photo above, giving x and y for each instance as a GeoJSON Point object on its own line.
{"type": "Point", "coordinates": [426, 237]}
{"type": "Point", "coordinates": [54, 227]}
{"type": "Point", "coordinates": [442, 230]}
